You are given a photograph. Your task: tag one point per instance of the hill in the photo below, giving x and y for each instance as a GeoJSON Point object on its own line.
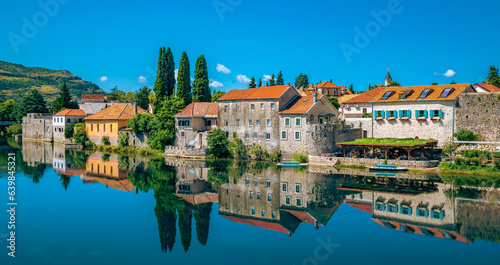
{"type": "Point", "coordinates": [16, 80]}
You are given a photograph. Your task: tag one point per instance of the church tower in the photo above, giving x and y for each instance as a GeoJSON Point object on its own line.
{"type": "Point", "coordinates": [388, 78]}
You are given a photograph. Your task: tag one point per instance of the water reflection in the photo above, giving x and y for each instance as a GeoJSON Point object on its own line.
{"type": "Point", "coordinates": [278, 200]}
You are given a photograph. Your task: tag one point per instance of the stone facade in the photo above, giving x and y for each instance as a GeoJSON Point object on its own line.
{"type": "Point", "coordinates": [93, 107]}
{"type": "Point", "coordinates": [179, 151]}
{"type": "Point", "coordinates": [480, 113]}
{"type": "Point", "coordinates": [365, 124]}
{"type": "Point", "coordinates": [333, 161]}
{"type": "Point", "coordinates": [38, 127]}
{"type": "Point", "coordinates": [138, 140]}
{"type": "Point", "coordinates": [197, 130]}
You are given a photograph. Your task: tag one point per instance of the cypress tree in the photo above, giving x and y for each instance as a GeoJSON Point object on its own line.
{"type": "Point", "coordinates": [260, 82]}
{"type": "Point", "coordinates": [493, 77]}
{"type": "Point", "coordinates": [280, 81]}
{"type": "Point", "coordinates": [351, 88]}
{"type": "Point", "coordinates": [160, 86]}
{"type": "Point", "coordinates": [184, 80]}
{"type": "Point", "coordinates": [272, 81]}
{"type": "Point", "coordinates": [170, 76]}
{"type": "Point", "coordinates": [64, 101]}
{"type": "Point", "coordinates": [201, 91]}
{"type": "Point", "coordinates": [252, 83]}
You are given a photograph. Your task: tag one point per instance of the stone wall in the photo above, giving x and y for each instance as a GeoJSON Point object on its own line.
{"type": "Point", "coordinates": [138, 140]}
{"type": "Point", "coordinates": [178, 151]}
{"type": "Point", "coordinates": [332, 161]}
{"type": "Point", "coordinates": [365, 124]}
{"type": "Point", "coordinates": [480, 113]}
{"type": "Point", "coordinates": [38, 127]}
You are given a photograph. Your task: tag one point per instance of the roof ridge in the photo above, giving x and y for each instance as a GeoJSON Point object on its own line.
{"type": "Point", "coordinates": [122, 110]}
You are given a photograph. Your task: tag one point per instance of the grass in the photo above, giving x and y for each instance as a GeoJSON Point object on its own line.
{"type": "Point", "coordinates": [453, 168]}
{"type": "Point", "coordinates": [128, 150]}
{"type": "Point", "coordinates": [391, 141]}
{"type": "Point", "coordinates": [351, 166]}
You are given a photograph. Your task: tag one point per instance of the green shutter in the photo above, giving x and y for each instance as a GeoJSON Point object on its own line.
{"type": "Point", "coordinates": [287, 121]}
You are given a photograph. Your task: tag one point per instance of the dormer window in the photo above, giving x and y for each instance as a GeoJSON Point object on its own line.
{"type": "Point", "coordinates": [425, 93]}
{"type": "Point", "coordinates": [405, 94]}
{"type": "Point", "coordinates": [387, 95]}
{"type": "Point", "coordinates": [446, 92]}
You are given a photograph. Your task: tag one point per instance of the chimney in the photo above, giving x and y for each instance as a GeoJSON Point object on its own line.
{"type": "Point", "coordinates": [315, 96]}
{"type": "Point", "coordinates": [135, 108]}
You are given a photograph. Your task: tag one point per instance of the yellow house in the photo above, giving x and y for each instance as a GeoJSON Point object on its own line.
{"type": "Point", "coordinates": [109, 121]}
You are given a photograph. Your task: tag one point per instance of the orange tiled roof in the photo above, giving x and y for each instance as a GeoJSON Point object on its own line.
{"type": "Point", "coordinates": [199, 198]}
{"type": "Point", "coordinates": [301, 104]}
{"type": "Point", "coordinates": [262, 224]}
{"type": "Point", "coordinates": [417, 90]}
{"type": "Point", "coordinates": [361, 206]}
{"type": "Point", "coordinates": [345, 98]}
{"type": "Point", "coordinates": [489, 87]}
{"type": "Point", "coordinates": [71, 112]}
{"type": "Point", "coordinates": [303, 216]}
{"type": "Point", "coordinates": [93, 96]}
{"type": "Point", "coordinates": [365, 97]}
{"type": "Point", "coordinates": [117, 112]}
{"type": "Point", "coordinates": [122, 184]}
{"type": "Point", "coordinates": [198, 109]}
{"type": "Point", "coordinates": [326, 84]}
{"type": "Point", "coordinates": [346, 91]}
{"type": "Point", "coordinates": [255, 93]}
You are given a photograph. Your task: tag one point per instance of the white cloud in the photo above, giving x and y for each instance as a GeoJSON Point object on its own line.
{"type": "Point", "coordinates": [243, 79]}
{"type": "Point", "coordinates": [266, 78]}
{"type": "Point", "coordinates": [142, 79]}
{"type": "Point", "coordinates": [449, 73]}
{"type": "Point", "coordinates": [216, 84]}
{"type": "Point", "coordinates": [104, 79]}
{"type": "Point", "coordinates": [222, 69]}
{"type": "Point", "coordinates": [176, 73]}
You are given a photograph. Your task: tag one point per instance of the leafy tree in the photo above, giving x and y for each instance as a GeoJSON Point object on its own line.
{"type": "Point", "coordinates": [367, 115]}
{"type": "Point", "coordinates": [185, 212]}
{"type": "Point", "coordinates": [64, 101]}
{"type": "Point", "coordinates": [252, 83]}
{"type": "Point", "coordinates": [301, 81]}
{"type": "Point", "coordinates": [160, 86]}
{"type": "Point", "coordinates": [184, 80]}
{"type": "Point", "coordinates": [105, 140]}
{"type": "Point", "coordinates": [279, 80]}
{"type": "Point", "coordinates": [272, 81]}
{"type": "Point", "coordinates": [31, 103]}
{"type": "Point", "coordinates": [394, 83]}
{"type": "Point", "coordinates": [201, 91]}
{"type": "Point", "coordinates": [69, 131]}
{"type": "Point", "coordinates": [142, 97]}
{"type": "Point", "coordinates": [434, 83]}
{"type": "Point", "coordinates": [15, 129]}
{"type": "Point", "coordinates": [351, 88]}
{"type": "Point", "coordinates": [335, 102]}
{"type": "Point", "coordinates": [218, 144]}
{"type": "Point", "coordinates": [129, 97]}
{"type": "Point", "coordinates": [80, 136]}
{"type": "Point", "coordinates": [466, 135]}
{"type": "Point", "coordinates": [453, 82]}
{"type": "Point", "coordinates": [237, 148]}
{"type": "Point", "coordinates": [163, 128]}
{"type": "Point", "coordinates": [493, 77]}
{"type": "Point", "coordinates": [217, 94]}
{"type": "Point", "coordinates": [202, 218]}
{"type": "Point", "coordinates": [113, 95]}
{"type": "Point", "coordinates": [7, 110]}
{"type": "Point", "coordinates": [123, 140]}
{"type": "Point", "coordinates": [141, 123]}
{"type": "Point", "coordinates": [260, 82]}
{"type": "Point", "coordinates": [170, 78]}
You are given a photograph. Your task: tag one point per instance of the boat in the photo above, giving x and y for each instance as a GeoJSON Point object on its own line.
{"type": "Point", "coordinates": [291, 164]}
{"type": "Point", "coordinates": [383, 167]}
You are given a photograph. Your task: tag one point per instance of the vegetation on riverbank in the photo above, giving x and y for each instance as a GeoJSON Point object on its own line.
{"type": "Point", "coordinates": [128, 150]}
{"type": "Point", "coordinates": [363, 167]}
{"type": "Point", "coordinates": [391, 141]}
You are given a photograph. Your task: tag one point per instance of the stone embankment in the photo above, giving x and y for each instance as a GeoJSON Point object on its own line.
{"type": "Point", "coordinates": [333, 161]}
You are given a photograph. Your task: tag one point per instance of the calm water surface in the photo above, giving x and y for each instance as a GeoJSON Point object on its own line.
{"type": "Point", "coordinates": [77, 208]}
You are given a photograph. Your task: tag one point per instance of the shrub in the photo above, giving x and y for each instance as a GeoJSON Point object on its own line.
{"type": "Point", "coordinates": [473, 162]}
{"type": "Point", "coordinates": [123, 141]}
{"type": "Point", "coordinates": [300, 157]}
{"type": "Point", "coordinates": [459, 161]}
{"type": "Point", "coordinates": [237, 148]}
{"type": "Point", "coordinates": [497, 162]}
{"type": "Point", "coordinates": [258, 152]}
{"type": "Point", "coordinates": [105, 140]}
{"type": "Point", "coordinates": [466, 135]}
{"type": "Point", "coordinates": [69, 131]}
{"type": "Point", "coordinates": [275, 156]}
{"type": "Point", "coordinates": [218, 144]}
{"type": "Point", "coordinates": [16, 128]}
{"type": "Point", "coordinates": [367, 115]}
{"type": "Point", "coordinates": [105, 157]}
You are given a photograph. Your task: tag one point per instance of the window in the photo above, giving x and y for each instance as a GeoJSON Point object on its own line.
{"type": "Point", "coordinates": [257, 122]}
{"type": "Point", "coordinates": [247, 182]}
{"type": "Point", "coordinates": [263, 212]}
{"type": "Point", "coordinates": [261, 106]}
{"type": "Point", "coordinates": [255, 182]}
{"type": "Point", "coordinates": [186, 123]}
{"type": "Point", "coordinates": [237, 122]}
{"type": "Point", "coordinates": [268, 183]}
{"type": "Point", "coordinates": [269, 197]}
{"type": "Point", "coordinates": [273, 214]}
{"type": "Point", "coordinates": [227, 134]}
{"type": "Point", "coordinates": [405, 114]}
{"type": "Point", "coordinates": [208, 123]}
{"type": "Point", "coordinates": [287, 121]}
{"type": "Point", "coordinates": [365, 110]}
{"type": "Point", "coordinates": [379, 114]}
{"type": "Point", "coordinates": [284, 186]}
{"type": "Point", "coordinates": [268, 136]}
{"type": "Point", "coordinates": [446, 92]}
{"type": "Point", "coordinates": [387, 95]}
{"type": "Point", "coordinates": [111, 128]}
{"type": "Point", "coordinates": [297, 187]}
{"type": "Point", "coordinates": [405, 94]}
{"type": "Point", "coordinates": [283, 134]}
{"type": "Point", "coordinates": [297, 121]}
{"type": "Point", "coordinates": [258, 195]}
{"type": "Point", "coordinates": [254, 135]}
{"type": "Point", "coordinates": [272, 106]}
{"type": "Point", "coordinates": [237, 108]}
{"type": "Point", "coordinates": [69, 120]}
{"type": "Point", "coordinates": [391, 114]}
{"type": "Point", "coordinates": [252, 107]}
{"type": "Point", "coordinates": [253, 210]}
{"type": "Point", "coordinates": [420, 114]}
{"type": "Point", "coordinates": [437, 113]}
{"type": "Point", "coordinates": [250, 122]}
{"type": "Point", "coordinates": [299, 202]}
{"type": "Point", "coordinates": [425, 93]}
{"type": "Point", "coordinates": [251, 195]}
{"type": "Point", "coordinates": [287, 200]}
{"type": "Point", "coordinates": [297, 135]}
{"type": "Point", "coordinates": [181, 123]}
{"type": "Point", "coordinates": [91, 127]}
{"type": "Point", "coordinates": [312, 134]}
{"type": "Point", "coordinates": [97, 125]}
{"type": "Point", "coordinates": [268, 122]}
{"type": "Point", "coordinates": [247, 135]}
{"type": "Point", "coordinates": [225, 108]}
{"type": "Point", "coordinates": [226, 123]}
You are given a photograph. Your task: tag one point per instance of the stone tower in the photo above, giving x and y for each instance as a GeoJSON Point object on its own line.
{"type": "Point", "coordinates": [388, 78]}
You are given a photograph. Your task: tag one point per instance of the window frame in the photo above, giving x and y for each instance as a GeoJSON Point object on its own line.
{"type": "Point", "coordinates": [295, 135]}
{"type": "Point", "coordinates": [286, 135]}
{"type": "Point", "coordinates": [287, 121]}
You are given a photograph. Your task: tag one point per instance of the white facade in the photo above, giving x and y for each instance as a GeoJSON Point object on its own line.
{"type": "Point", "coordinates": [355, 110]}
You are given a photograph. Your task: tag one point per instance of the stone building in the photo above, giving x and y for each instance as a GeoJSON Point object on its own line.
{"type": "Point", "coordinates": [194, 122]}
{"type": "Point", "coordinates": [109, 121]}
{"type": "Point", "coordinates": [357, 106]}
{"type": "Point", "coordinates": [479, 113]}
{"type": "Point", "coordinates": [329, 89]}
{"type": "Point", "coordinates": [486, 88]}
{"type": "Point", "coordinates": [38, 127]}
{"type": "Point", "coordinates": [422, 111]}
{"type": "Point", "coordinates": [62, 119]}
{"type": "Point", "coordinates": [93, 103]}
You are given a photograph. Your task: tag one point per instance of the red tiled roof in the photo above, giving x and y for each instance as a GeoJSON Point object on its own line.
{"type": "Point", "coordinates": [262, 224]}
{"type": "Point", "coordinates": [303, 216]}
{"type": "Point", "coordinates": [365, 97]}
{"type": "Point", "coordinates": [326, 84]}
{"type": "Point", "coordinates": [117, 112]}
{"type": "Point", "coordinates": [198, 109]}
{"type": "Point", "coordinates": [301, 105]}
{"type": "Point", "coordinates": [199, 198]}
{"type": "Point", "coordinates": [117, 184]}
{"type": "Point", "coordinates": [345, 98]}
{"type": "Point", "coordinates": [489, 87]}
{"type": "Point", "coordinates": [417, 90]}
{"type": "Point", "coordinates": [361, 206]}
{"type": "Point", "coordinates": [71, 112]}
{"type": "Point", "coordinates": [255, 93]}
{"type": "Point", "coordinates": [93, 96]}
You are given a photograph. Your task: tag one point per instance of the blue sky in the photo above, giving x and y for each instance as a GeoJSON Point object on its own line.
{"type": "Point", "coordinates": [120, 39]}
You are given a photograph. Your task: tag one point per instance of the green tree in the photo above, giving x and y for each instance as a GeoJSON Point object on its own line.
{"type": "Point", "coordinates": [493, 77]}
{"type": "Point", "coordinates": [185, 212]}
{"type": "Point", "coordinates": [202, 218]}
{"type": "Point", "coordinates": [351, 88]}
{"type": "Point", "coordinates": [141, 123]}
{"type": "Point", "coordinates": [170, 78]}
{"type": "Point", "coordinates": [142, 97]}
{"type": "Point", "coordinates": [335, 102]}
{"type": "Point", "coordinates": [218, 144]}
{"type": "Point", "coordinates": [394, 83]}
{"type": "Point", "coordinates": [237, 148]}
{"type": "Point", "coordinates": [160, 86]}
{"type": "Point", "coordinates": [14, 129]}
{"type": "Point", "coordinates": [69, 131]}
{"type": "Point", "coordinates": [7, 110]}
{"type": "Point", "coordinates": [217, 94]}
{"type": "Point", "coordinates": [453, 82]}
{"type": "Point", "coordinates": [466, 135]}
{"type": "Point", "coordinates": [64, 101]}
{"type": "Point", "coordinates": [279, 80]}
{"type": "Point", "coordinates": [252, 83]}
{"type": "Point", "coordinates": [184, 80]}
{"type": "Point", "coordinates": [105, 140]}
{"type": "Point", "coordinates": [434, 83]}
{"type": "Point", "coordinates": [301, 81]}
{"type": "Point", "coordinates": [272, 81]}
{"type": "Point", "coordinates": [33, 102]}
{"type": "Point", "coordinates": [163, 128]}
{"type": "Point", "coordinates": [201, 91]}
{"type": "Point", "coordinates": [260, 82]}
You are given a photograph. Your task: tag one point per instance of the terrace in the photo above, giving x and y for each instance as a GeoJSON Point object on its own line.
{"type": "Point", "coordinates": [391, 148]}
